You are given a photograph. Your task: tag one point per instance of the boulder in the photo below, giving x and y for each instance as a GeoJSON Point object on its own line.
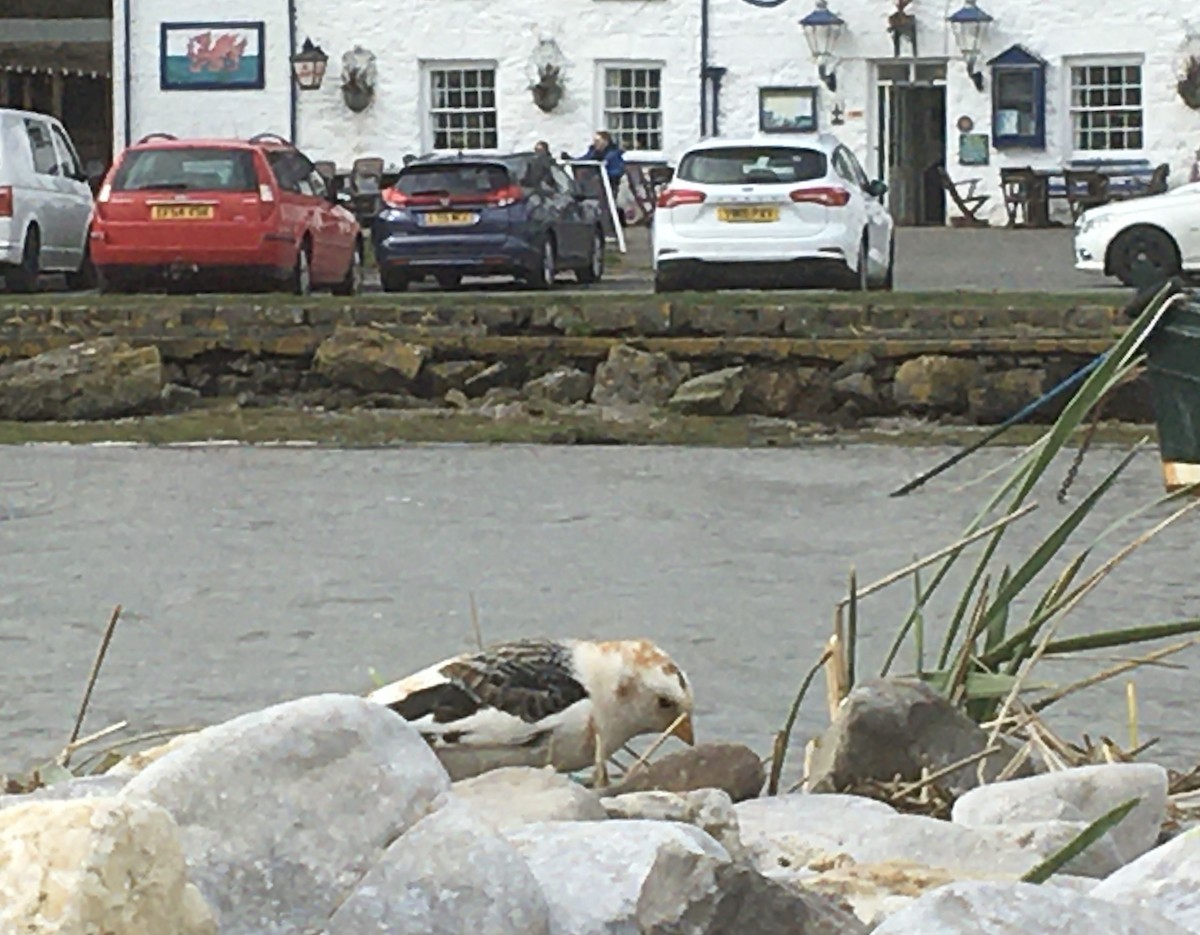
{"type": "Point", "coordinates": [369, 360]}
{"type": "Point", "coordinates": [82, 787]}
{"type": "Point", "coordinates": [178, 398]}
{"type": "Point", "coordinates": [618, 877]}
{"type": "Point", "coordinates": [801, 811]}
{"type": "Point", "coordinates": [492, 377]}
{"type": "Point", "coordinates": [772, 391]}
{"type": "Point", "coordinates": [710, 810]}
{"type": "Point", "coordinates": [732, 767]}
{"type": "Point", "coordinates": [565, 386]}
{"type": "Point", "coordinates": [860, 362]}
{"type": "Point", "coordinates": [898, 727]}
{"type": "Point", "coordinates": [135, 762]}
{"type": "Point", "coordinates": [711, 394]}
{"type": "Point", "coordinates": [857, 388]}
{"type": "Point", "coordinates": [450, 873]}
{"type": "Point", "coordinates": [751, 904]}
{"type": "Point", "coordinates": [519, 795]}
{"type": "Point", "coordinates": [1044, 838]}
{"type": "Point", "coordinates": [973, 908]}
{"type": "Point", "coordinates": [998, 395]}
{"type": "Point", "coordinates": [96, 865]}
{"type": "Point", "coordinates": [440, 378]}
{"type": "Point", "coordinates": [102, 379]}
{"type": "Point", "coordinates": [1082, 795]}
{"type": "Point", "coordinates": [935, 383]}
{"type": "Point", "coordinates": [630, 377]}
{"type": "Point", "coordinates": [1166, 880]}
{"type": "Point", "coordinates": [281, 811]}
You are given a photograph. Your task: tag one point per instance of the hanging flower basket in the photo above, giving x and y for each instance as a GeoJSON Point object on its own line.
{"type": "Point", "coordinates": [1189, 83]}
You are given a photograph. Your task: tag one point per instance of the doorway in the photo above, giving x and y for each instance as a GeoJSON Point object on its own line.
{"type": "Point", "coordinates": [911, 138]}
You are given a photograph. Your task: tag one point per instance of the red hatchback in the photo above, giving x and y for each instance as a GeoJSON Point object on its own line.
{"type": "Point", "coordinates": [222, 213]}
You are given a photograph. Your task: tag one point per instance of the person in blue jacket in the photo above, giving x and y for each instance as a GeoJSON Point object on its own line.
{"type": "Point", "coordinates": [604, 149]}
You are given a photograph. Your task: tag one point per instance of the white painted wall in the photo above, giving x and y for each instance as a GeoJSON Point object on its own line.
{"type": "Point", "coordinates": [758, 46]}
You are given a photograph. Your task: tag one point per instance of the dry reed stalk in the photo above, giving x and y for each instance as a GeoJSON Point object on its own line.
{"type": "Point", "coordinates": [835, 671]}
{"type": "Point", "coordinates": [653, 748]}
{"type": "Point", "coordinates": [475, 622]}
{"type": "Point", "coordinates": [82, 742]}
{"type": "Point", "coordinates": [929, 778]}
{"type": "Point", "coordinates": [1105, 674]}
{"type": "Point", "coordinates": [91, 683]}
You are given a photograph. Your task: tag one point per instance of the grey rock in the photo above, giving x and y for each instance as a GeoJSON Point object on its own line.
{"type": "Point", "coordinates": [457, 399]}
{"type": "Point", "coordinates": [772, 391]}
{"type": "Point", "coordinates": [801, 811]}
{"type": "Point", "coordinates": [711, 394]}
{"type": "Point", "coordinates": [177, 398]}
{"type": "Point", "coordinates": [631, 377]}
{"type": "Point", "coordinates": [998, 395]}
{"type": "Point", "coordinates": [890, 727]}
{"type": "Point", "coordinates": [83, 787]}
{"type": "Point", "coordinates": [858, 388]}
{"type": "Point", "coordinates": [710, 810]}
{"type": "Point", "coordinates": [1044, 838]}
{"type": "Point", "coordinates": [860, 362]}
{"type": "Point", "coordinates": [935, 383]}
{"type": "Point", "coordinates": [440, 378]}
{"type": "Point", "coordinates": [564, 385]}
{"type": "Point", "coordinates": [1166, 880]}
{"type": "Point", "coordinates": [489, 378]}
{"type": "Point", "coordinates": [102, 379]}
{"type": "Point", "coordinates": [449, 874]}
{"type": "Point", "coordinates": [1082, 794]}
{"type": "Point", "coordinates": [978, 908]}
{"type": "Point", "coordinates": [519, 795]}
{"type": "Point", "coordinates": [751, 904]}
{"type": "Point", "coordinates": [625, 877]}
{"type": "Point", "coordinates": [281, 811]}
{"type": "Point", "coordinates": [731, 767]}
{"type": "Point", "coordinates": [369, 360]}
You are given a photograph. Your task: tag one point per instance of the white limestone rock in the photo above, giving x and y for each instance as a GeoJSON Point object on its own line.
{"type": "Point", "coordinates": [95, 865]}
{"type": "Point", "coordinates": [450, 873]}
{"type": "Point", "coordinates": [625, 877]}
{"type": "Point", "coordinates": [1043, 838]}
{"type": "Point", "coordinates": [1166, 879]}
{"type": "Point", "coordinates": [710, 810]}
{"type": "Point", "coordinates": [975, 908]}
{"type": "Point", "coordinates": [283, 810]}
{"type": "Point", "coordinates": [82, 787]}
{"type": "Point", "coordinates": [804, 811]}
{"type": "Point", "coordinates": [521, 795]}
{"type": "Point", "coordinates": [1082, 794]}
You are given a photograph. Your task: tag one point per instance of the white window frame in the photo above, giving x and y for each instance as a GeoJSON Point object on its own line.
{"type": "Point", "coordinates": [1103, 61]}
{"type": "Point", "coordinates": [602, 69]}
{"type": "Point", "coordinates": [428, 124]}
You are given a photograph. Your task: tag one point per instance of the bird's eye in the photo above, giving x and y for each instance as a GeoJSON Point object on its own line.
{"type": "Point", "coordinates": [665, 702]}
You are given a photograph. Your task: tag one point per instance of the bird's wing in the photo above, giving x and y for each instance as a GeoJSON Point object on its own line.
{"type": "Point", "coordinates": [510, 695]}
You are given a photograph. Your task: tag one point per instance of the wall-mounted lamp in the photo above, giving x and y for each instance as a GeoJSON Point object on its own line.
{"type": "Point", "coordinates": [308, 66]}
{"type": "Point", "coordinates": [970, 24]}
{"type": "Point", "coordinates": [822, 28]}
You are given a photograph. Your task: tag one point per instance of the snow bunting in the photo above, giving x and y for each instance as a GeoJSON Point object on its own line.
{"type": "Point", "coordinates": [568, 704]}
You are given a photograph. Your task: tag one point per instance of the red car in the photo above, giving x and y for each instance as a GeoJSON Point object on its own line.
{"type": "Point", "coordinates": [222, 213]}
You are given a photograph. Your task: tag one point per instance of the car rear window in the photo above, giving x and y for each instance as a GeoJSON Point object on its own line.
{"type": "Point", "coordinates": [208, 169]}
{"type": "Point", "coordinates": [760, 165]}
{"type": "Point", "coordinates": [452, 180]}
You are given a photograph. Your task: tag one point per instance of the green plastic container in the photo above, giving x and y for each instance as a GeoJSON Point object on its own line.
{"type": "Point", "coordinates": [1173, 367]}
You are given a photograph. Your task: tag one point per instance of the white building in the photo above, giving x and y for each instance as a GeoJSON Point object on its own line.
{"type": "Point", "coordinates": [1061, 82]}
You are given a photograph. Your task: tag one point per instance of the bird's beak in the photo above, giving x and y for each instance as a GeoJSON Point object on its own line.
{"type": "Point", "coordinates": [683, 730]}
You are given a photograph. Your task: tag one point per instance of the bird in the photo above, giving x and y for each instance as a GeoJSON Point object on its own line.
{"type": "Point", "coordinates": [563, 703]}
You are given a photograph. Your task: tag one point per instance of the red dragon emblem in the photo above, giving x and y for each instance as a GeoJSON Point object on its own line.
{"type": "Point", "coordinates": [222, 55]}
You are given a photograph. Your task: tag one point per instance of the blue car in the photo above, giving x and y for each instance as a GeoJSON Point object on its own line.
{"type": "Point", "coordinates": [517, 215]}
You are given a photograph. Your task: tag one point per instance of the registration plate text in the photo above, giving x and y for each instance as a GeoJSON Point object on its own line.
{"type": "Point", "coordinates": [753, 214]}
{"type": "Point", "coordinates": [450, 218]}
{"type": "Point", "coordinates": [181, 212]}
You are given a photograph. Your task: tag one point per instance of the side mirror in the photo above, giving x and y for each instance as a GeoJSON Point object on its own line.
{"type": "Point", "coordinates": [877, 188]}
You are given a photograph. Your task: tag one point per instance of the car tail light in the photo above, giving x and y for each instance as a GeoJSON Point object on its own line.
{"type": "Point", "coordinates": [6, 201]}
{"type": "Point", "coordinates": [673, 197]}
{"type": "Point", "coordinates": [502, 197]}
{"type": "Point", "coordinates": [831, 197]}
{"type": "Point", "coordinates": [394, 198]}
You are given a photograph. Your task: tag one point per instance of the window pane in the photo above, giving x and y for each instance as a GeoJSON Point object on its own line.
{"type": "Point", "coordinates": [463, 108]}
{"type": "Point", "coordinates": [633, 107]}
{"type": "Point", "coordinates": [1106, 106]}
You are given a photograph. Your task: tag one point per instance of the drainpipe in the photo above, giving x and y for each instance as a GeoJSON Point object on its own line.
{"type": "Point", "coordinates": [715, 74]}
{"type": "Point", "coordinates": [703, 68]}
{"type": "Point", "coordinates": [292, 114]}
{"type": "Point", "coordinates": [126, 18]}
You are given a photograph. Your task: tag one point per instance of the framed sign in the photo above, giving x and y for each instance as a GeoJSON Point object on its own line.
{"type": "Point", "coordinates": [973, 149]}
{"type": "Point", "coordinates": [211, 57]}
{"type": "Point", "coordinates": [787, 110]}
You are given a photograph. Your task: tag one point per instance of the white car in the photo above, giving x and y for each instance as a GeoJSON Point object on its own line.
{"type": "Point", "coordinates": [769, 211]}
{"type": "Point", "coordinates": [1158, 233]}
{"type": "Point", "coordinates": [45, 202]}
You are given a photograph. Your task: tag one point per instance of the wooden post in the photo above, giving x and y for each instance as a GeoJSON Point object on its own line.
{"type": "Point", "coordinates": [27, 91]}
{"type": "Point", "coordinates": [56, 94]}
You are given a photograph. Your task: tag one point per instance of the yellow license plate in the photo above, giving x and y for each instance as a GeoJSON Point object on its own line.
{"type": "Point", "coordinates": [181, 212]}
{"type": "Point", "coordinates": [451, 218]}
{"type": "Point", "coordinates": [754, 214]}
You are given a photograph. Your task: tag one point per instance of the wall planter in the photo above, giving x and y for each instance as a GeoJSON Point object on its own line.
{"type": "Point", "coordinates": [1189, 83]}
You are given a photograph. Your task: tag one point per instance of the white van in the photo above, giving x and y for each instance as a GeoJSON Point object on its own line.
{"type": "Point", "coordinates": [45, 203]}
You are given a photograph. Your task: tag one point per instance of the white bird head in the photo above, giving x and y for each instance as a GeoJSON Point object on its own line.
{"type": "Point", "coordinates": [638, 689]}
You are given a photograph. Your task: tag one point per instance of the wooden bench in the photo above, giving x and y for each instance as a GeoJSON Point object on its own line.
{"type": "Point", "coordinates": [968, 200]}
{"type": "Point", "coordinates": [1086, 183]}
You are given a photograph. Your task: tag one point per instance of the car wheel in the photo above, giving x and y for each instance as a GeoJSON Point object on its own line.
{"type": "Point", "coordinates": [888, 282]}
{"type": "Point", "coordinates": [594, 271]}
{"type": "Point", "coordinates": [858, 280]}
{"type": "Point", "coordinates": [301, 279]}
{"type": "Point", "coordinates": [449, 280]}
{"type": "Point", "coordinates": [543, 276]}
{"type": "Point", "coordinates": [667, 280]}
{"type": "Point", "coordinates": [393, 280]}
{"type": "Point", "coordinates": [24, 276]}
{"type": "Point", "coordinates": [1146, 250]}
{"type": "Point", "coordinates": [84, 277]}
{"type": "Point", "coordinates": [352, 282]}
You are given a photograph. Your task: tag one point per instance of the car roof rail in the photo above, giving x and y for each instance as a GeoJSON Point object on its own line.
{"type": "Point", "coordinates": [157, 136]}
{"type": "Point", "coordinates": [270, 138]}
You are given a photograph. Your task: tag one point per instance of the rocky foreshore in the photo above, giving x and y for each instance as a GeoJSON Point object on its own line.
{"type": "Point", "coordinates": [329, 814]}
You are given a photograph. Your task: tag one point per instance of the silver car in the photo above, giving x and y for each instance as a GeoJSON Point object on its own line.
{"type": "Point", "coordinates": [45, 203]}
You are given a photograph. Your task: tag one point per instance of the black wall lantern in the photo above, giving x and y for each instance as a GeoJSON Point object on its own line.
{"type": "Point", "coordinates": [822, 28]}
{"type": "Point", "coordinates": [308, 66]}
{"type": "Point", "coordinates": [970, 24]}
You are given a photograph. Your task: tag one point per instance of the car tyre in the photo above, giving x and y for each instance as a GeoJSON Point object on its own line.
{"type": "Point", "coordinates": [449, 280]}
{"type": "Point", "coordinates": [393, 280]}
{"type": "Point", "coordinates": [1143, 246]}
{"type": "Point", "coordinates": [888, 282]}
{"type": "Point", "coordinates": [352, 282]}
{"type": "Point", "coordinates": [543, 276]}
{"type": "Point", "coordinates": [594, 271]}
{"type": "Point", "coordinates": [108, 284]}
{"type": "Point", "coordinates": [24, 276]}
{"type": "Point", "coordinates": [300, 282]}
{"type": "Point", "coordinates": [858, 280]}
{"type": "Point", "coordinates": [85, 277]}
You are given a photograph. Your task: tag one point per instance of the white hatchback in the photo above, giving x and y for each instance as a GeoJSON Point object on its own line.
{"type": "Point", "coordinates": [45, 202]}
{"type": "Point", "coordinates": [1156, 236]}
{"type": "Point", "coordinates": [764, 212]}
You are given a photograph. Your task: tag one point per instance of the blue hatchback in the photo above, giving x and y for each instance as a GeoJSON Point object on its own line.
{"type": "Point", "coordinates": [520, 215]}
